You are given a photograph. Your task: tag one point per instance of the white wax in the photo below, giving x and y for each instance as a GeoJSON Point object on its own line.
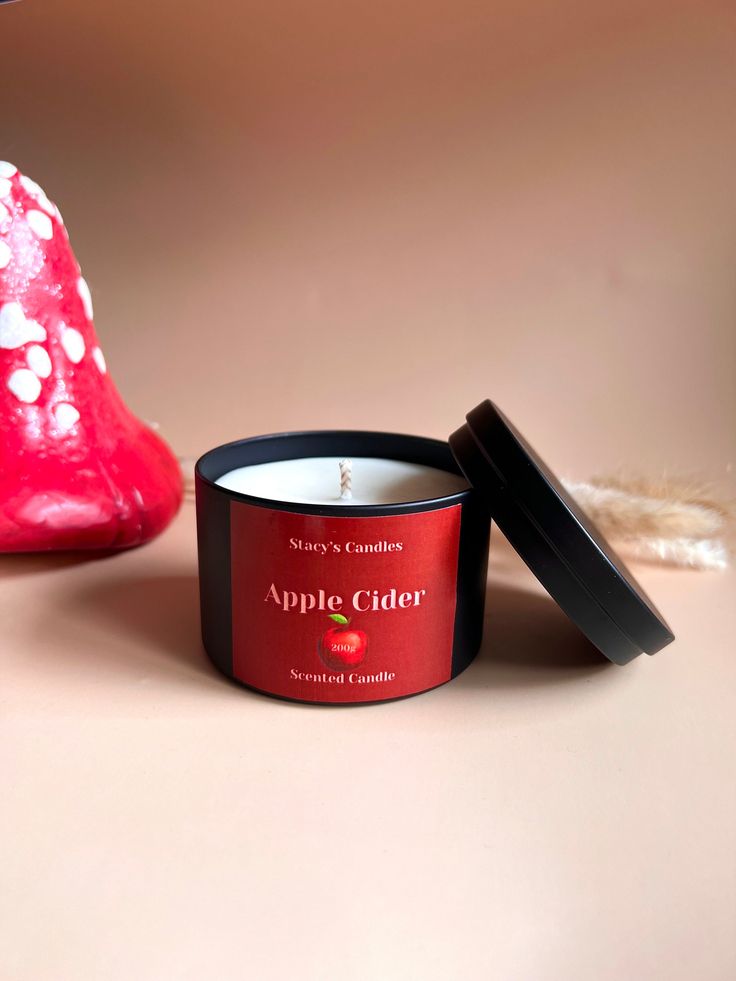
{"type": "Point", "coordinates": [316, 480]}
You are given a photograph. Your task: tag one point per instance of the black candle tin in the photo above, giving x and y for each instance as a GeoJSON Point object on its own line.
{"type": "Point", "coordinates": [392, 602]}
{"type": "Point", "coordinates": [392, 608]}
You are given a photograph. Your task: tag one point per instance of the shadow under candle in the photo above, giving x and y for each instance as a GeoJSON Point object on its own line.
{"type": "Point", "coordinates": [527, 641]}
{"type": "Point", "coordinates": [152, 623]}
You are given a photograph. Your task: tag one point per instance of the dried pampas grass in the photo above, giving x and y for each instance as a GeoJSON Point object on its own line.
{"type": "Point", "coordinates": [674, 522]}
{"type": "Point", "coordinates": [187, 469]}
{"type": "Point", "coordinates": [704, 553]}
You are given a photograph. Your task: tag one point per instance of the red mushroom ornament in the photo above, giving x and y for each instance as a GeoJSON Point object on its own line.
{"type": "Point", "coordinates": [77, 469]}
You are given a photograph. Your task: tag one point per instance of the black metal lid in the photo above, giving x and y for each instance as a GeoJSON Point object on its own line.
{"type": "Point", "coordinates": [558, 542]}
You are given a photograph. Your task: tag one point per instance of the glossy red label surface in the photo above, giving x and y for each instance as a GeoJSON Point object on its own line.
{"type": "Point", "coordinates": [343, 609]}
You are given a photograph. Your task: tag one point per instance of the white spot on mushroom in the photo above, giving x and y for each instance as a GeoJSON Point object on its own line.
{"type": "Point", "coordinates": [38, 361]}
{"type": "Point", "coordinates": [36, 191]}
{"type": "Point", "coordinates": [66, 415]}
{"type": "Point", "coordinates": [24, 385]}
{"type": "Point", "coordinates": [86, 296]}
{"type": "Point", "coordinates": [5, 253]}
{"type": "Point", "coordinates": [15, 329]}
{"type": "Point", "coordinates": [4, 213]}
{"type": "Point", "coordinates": [73, 344]}
{"type": "Point", "coordinates": [7, 169]}
{"type": "Point", "coordinates": [40, 224]}
{"type": "Point", "coordinates": [5, 187]}
{"type": "Point", "coordinates": [99, 360]}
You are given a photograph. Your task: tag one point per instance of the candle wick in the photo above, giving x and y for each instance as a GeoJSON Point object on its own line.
{"type": "Point", "coordinates": [346, 479]}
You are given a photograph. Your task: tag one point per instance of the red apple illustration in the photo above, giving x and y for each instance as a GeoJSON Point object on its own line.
{"type": "Point", "coordinates": [342, 646]}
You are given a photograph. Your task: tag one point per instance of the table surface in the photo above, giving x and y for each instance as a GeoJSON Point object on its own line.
{"type": "Point", "coordinates": [544, 815]}
{"type": "Point", "coordinates": [337, 215]}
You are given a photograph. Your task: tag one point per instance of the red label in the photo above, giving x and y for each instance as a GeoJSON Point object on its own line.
{"type": "Point", "coordinates": [343, 609]}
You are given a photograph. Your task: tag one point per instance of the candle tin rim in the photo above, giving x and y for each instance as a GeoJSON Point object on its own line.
{"type": "Point", "coordinates": [430, 445]}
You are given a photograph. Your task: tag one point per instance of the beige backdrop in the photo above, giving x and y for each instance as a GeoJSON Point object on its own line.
{"type": "Point", "coordinates": [382, 213]}
{"type": "Point", "coordinates": [313, 214]}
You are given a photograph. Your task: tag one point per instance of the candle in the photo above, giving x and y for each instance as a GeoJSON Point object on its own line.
{"type": "Point", "coordinates": [340, 567]}
{"type": "Point", "coordinates": [347, 567]}
{"type": "Point", "coordinates": [356, 481]}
